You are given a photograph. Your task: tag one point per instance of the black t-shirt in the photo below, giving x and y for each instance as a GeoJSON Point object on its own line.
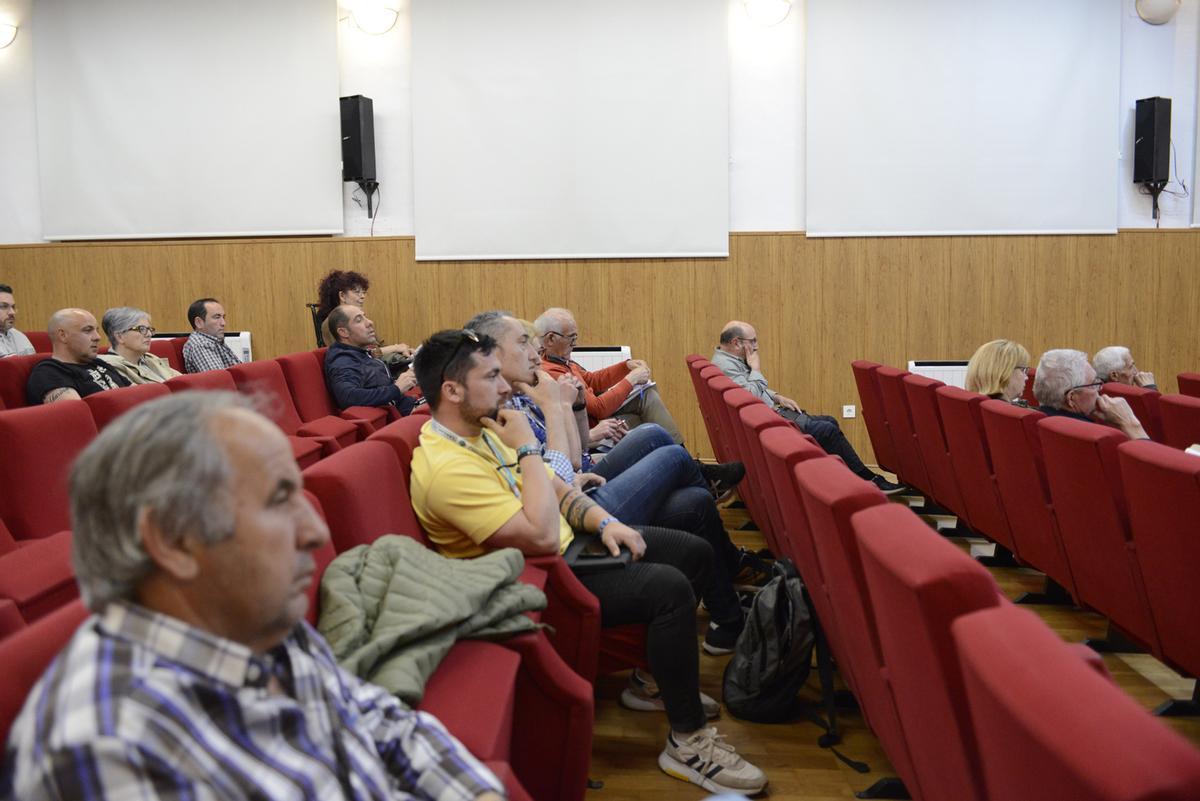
{"type": "Point", "coordinates": [86, 379]}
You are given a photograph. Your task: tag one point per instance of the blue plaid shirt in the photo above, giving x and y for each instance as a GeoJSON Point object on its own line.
{"type": "Point", "coordinates": [557, 460]}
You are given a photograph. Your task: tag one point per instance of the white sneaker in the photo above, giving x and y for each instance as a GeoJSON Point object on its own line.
{"type": "Point", "coordinates": [643, 695]}
{"type": "Point", "coordinates": [704, 758]}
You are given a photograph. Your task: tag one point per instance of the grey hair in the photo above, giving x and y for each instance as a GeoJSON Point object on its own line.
{"type": "Point", "coordinates": [119, 320]}
{"type": "Point", "coordinates": [1108, 360]}
{"type": "Point", "coordinates": [163, 459]}
{"type": "Point", "coordinates": [1057, 371]}
{"type": "Point", "coordinates": [550, 319]}
{"type": "Point", "coordinates": [489, 322]}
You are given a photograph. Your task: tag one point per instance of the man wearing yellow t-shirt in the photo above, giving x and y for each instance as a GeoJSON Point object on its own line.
{"type": "Point", "coordinates": [479, 483]}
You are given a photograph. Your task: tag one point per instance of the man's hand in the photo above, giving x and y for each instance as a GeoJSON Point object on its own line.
{"type": "Point", "coordinates": [572, 389]}
{"type": "Point", "coordinates": [1116, 412]}
{"type": "Point", "coordinates": [639, 375]}
{"type": "Point", "coordinates": [489, 797]}
{"type": "Point", "coordinates": [751, 356]}
{"type": "Point", "coordinates": [406, 380]}
{"type": "Point", "coordinates": [787, 403]}
{"type": "Point", "coordinates": [585, 480]}
{"type": "Point", "coordinates": [633, 364]}
{"type": "Point", "coordinates": [617, 534]}
{"type": "Point", "coordinates": [512, 427]}
{"type": "Point", "coordinates": [1143, 379]}
{"type": "Point", "coordinates": [611, 428]}
{"type": "Point", "coordinates": [544, 393]}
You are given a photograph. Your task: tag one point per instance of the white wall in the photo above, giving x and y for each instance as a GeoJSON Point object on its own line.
{"type": "Point", "coordinates": [20, 197]}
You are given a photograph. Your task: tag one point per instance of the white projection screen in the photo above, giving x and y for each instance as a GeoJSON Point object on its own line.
{"type": "Point", "coordinates": [172, 118]}
{"type": "Point", "coordinates": [570, 128]}
{"type": "Point", "coordinates": [952, 117]}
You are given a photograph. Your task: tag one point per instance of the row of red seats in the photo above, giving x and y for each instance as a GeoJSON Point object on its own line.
{"type": "Point", "coordinates": [971, 697]}
{"type": "Point", "coordinates": [1107, 520]}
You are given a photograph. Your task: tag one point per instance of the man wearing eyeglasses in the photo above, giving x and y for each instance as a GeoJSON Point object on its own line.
{"type": "Point", "coordinates": [737, 356]}
{"type": "Point", "coordinates": [12, 341]}
{"type": "Point", "coordinates": [621, 391]}
{"type": "Point", "coordinates": [73, 372]}
{"type": "Point", "coordinates": [1066, 386]}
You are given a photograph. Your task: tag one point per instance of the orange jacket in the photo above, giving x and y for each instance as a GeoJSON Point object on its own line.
{"type": "Point", "coordinates": [604, 390]}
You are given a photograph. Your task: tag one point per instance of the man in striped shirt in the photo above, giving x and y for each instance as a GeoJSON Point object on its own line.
{"type": "Point", "coordinates": [197, 677]}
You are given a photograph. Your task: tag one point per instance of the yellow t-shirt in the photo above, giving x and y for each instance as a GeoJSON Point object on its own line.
{"type": "Point", "coordinates": [461, 498]}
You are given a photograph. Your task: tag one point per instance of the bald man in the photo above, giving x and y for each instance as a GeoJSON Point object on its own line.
{"type": "Point", "coordinates": [737, 356]}
{"type": "Point", "coordinates": [73, 372]}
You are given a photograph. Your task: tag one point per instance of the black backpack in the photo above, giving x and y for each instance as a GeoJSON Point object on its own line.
{"type": "Point", "coordinates": [773, 655]}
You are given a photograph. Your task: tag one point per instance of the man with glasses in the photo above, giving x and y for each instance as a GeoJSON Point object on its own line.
{"type": "Point", "coordinates": [1115, 364]}
{"type": "Point", "coordinates": [73, 372]}
{"type": "Point", "coordinates": [12, 341]}
{"type": "Point", "coordinates": [130, 333]}
{"type": "Point", "coordinates": [737, 356]}
{"type": "Point", "coordinates": [622, 391]}
{"type": "Point", "coordinates": [1067, 386]}
{"type": "Point", "coordinates": [479, 483]}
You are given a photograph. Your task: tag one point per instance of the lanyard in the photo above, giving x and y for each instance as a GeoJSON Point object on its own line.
{"type": "Point", "coordinates": [509, 478]}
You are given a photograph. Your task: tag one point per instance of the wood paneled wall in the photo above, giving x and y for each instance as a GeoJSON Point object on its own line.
{"type": "Point", "coordinates": [817, 303]}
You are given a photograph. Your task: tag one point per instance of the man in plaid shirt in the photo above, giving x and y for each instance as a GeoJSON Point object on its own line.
{"type": "Point", "coordinates": [197, 678]}
{"type": "Point", "coordinates": [205, 349]}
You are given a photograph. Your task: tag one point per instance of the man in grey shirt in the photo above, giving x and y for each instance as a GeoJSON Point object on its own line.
{"type": "Point", "coordinates": [12, 341]}
{"type": "Point", "coordinates": [737, 356]}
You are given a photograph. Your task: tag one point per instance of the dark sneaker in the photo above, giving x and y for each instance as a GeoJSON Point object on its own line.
{"type": "Point", "coordinates": [704, 758]}
{"type": "Point", "coordinates": [887, 487]}
{"type": "Point", "coordinates": [643, 695]}
{"type": "Point", "coordinates": [722, 478]}
{"type": "Point", "coordinates": [721, 638]}
{"type": "Point", "coordinates": [753, 572]}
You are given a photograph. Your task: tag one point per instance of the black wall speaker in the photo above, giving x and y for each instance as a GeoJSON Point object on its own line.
{"type": "Point", "coordinates": [1152, 141]}
{"type": "Point", "coordinates": [358, 138]}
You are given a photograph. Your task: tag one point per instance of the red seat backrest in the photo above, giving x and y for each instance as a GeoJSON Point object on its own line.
{"type": "Point", "coordinates": [1143, 402]}
{"type": "Point", "coordinates": [209, 380]}
{"type": "Point", "coordinates": [404, 437]}
{"type": "Point", "coordinates": [306, 382]}
{"type": "Point", "coordinates": [1016, 450]}
{"type": "Point", "coordinates": [39, 577]}
{"type": "Point", "coordinates": [784, 447]}
{"type": "Point", "coordinates": [831, 495]}
{"type": "Point", "coordinates": [108, 406]}
{"type": "Point", "coordinates": [693, 357]}
{"type": "Point", "coordinates": [972, 462]}
{"type": "Point", "coordinates": [931, 439]}
{"type": "Point", "coordinates": [920, 583]}
{"type": "Point", "coordinates": [1163, 488]}
{"type": "Point", "coordinates": [363, 492]}
{"type": "Point", "coordinates": [725, 445]}
{"type": "Point", "coordinates": [38, 446]}
{"type": "Point", "coordinates": [1189, 384]}
{"type": "Point", "coordinates": [26, 654]}
{"type": "Point", "coordinates": [873, 413]}
{"type": "Point", "coordinates": [10, 618]}
{"type": "Point", "coordinates": [264, 379]}
{"type": "Point", "coordinates": [40, 341]}
{"type": "Point", "coordinates": [1180, 420]}
{"type": "Point", "coordinates": [321, 559]}
{"type": "Point", "coordinates": [733, 400]}
{"type": "Point", "coordinates": [169, 349]}
{"type": "Point", "coordinates": [14, 375]}
{"type": "Point", "coordinates": [1027, 393]}
{"type": "Point", "coordinates": [1089, 503]}
{"type": "Point", "coordinates": [1050, 727]}
{"type": "Point", "coordinates": [700, 372]}
{"type": "Point", "coordinates": [895, 405]}
{"type": "Point", "coordinates": [756, 419]}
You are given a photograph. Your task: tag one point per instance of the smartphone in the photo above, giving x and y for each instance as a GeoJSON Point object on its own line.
{"type": "Point", "coordinates": [594, 550]}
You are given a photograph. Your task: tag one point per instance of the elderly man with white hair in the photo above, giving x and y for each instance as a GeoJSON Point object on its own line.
{"type": "Point", "coordinates": [1115, 364]}
{"type": "Point", "coordinates": [197, 676]}
{"type": "Point", "coordinates": [1066, 386]}
{"type": "Point", "coordinates": [73, 371]}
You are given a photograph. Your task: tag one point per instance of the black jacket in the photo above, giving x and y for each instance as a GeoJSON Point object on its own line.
{"type": "Point", "coordinates": [356, 378]}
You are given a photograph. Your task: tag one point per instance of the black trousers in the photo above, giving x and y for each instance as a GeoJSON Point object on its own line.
{"type": "Point", "coordinates": [828, 434]}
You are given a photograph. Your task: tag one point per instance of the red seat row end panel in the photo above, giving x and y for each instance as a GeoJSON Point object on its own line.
{"type": "Point", "coordinates": [1189, 384]}
{"type": "Point", "coordinates": [873, 414]}
{"type": "Point", "coordinates": [1145, 406]}
{"type": "Point", "coordinates": [912, 469]}
{"type": "Point", "coordinates": [931, 439]}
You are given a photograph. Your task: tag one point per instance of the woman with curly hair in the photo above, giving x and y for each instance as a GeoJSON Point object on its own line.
{"type": "Point", "coordinates": [347, 286]}
{"type": "Point", "coordinates": [999, 369]}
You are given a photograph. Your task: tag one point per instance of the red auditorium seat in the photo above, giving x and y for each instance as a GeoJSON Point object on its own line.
{"type": "Point", "coordinates": [873, 414]}
{"type": "Point", "coordinates": [307, 450]}
{"type": "Point", "coordinates": [783, 448]}
{"type": "Point", "coordinates": [1180, 420]}
{"type": "Point", "coordinates": [734, 400]}
{"type": "Point", "coordinates": [403, 436]}
{"type": "Point", "coordinates": [700, 372]}
{"type": "Point", "coordinates": [1016, 450]}
{"type": "Point", "coordinates": [14, 374]}
{"type": "Point", "coordinates": [1189, 384]}
{"type": "Point", "coordinates": [38, 446]}
{"type": "Point", "coordinates": [919, 584]}
{"type": "Point", "coordinates": [37, 576]}
{"type": "Point", "coordinates": [108, 406]}
{"type": "Point", "coordinates": [25, 655]}
{"type": "Point", "coordinates": [1027, 393]}
{"type": "Point", "coordinates": [1163, 488]}
{"type": "Point", "coordinates": [1089, 503]}
{"type": "Point", "coordinates": [973, 464]}
{"type": "Point", "coordinates": [10, 618]}
{"type": "Point", "coordinates": [306, 381]}
{"type": "Point", "coordinates": [931, 439]}
{"type": "Point", "coordinates": [40, 341]}
{"type": "Point", "coordinates": [1050, 727]}
{"type": "Point", "coordinates": [169, 349]}
{"type": "Point", "coordinates": [831, 494]}
{"type": "Point", "coordinates": [264, 379]}
{"type": "Point", "coordinates": [895, 406]}
{"type": "Point", "coordinates": [726, 446]}
{"type": "Point", "coordinates": [756, 419]}
{"type": "Point", "coordinates": [1145, 406]}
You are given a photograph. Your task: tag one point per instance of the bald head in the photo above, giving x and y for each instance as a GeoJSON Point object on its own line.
{"type": "Point", "coordinates": [74, 335]}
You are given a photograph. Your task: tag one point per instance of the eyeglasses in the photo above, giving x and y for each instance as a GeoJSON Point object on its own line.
{"type": "Point", "coordinates": [1023, 369]}
{"type": "Point", "coordinates": [572, 339]}
{"type": "Point", "coordinates": [1093, 385]}
{"type": "Point", "coordinates": [144, 330]}
{"type": "Point", "coordinates": [751, 341]}
{"type": "Point", "coordinates": [464, 335]}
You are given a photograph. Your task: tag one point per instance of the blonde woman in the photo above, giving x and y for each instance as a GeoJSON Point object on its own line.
{"type": "Point", "coordinates": [999, 369]}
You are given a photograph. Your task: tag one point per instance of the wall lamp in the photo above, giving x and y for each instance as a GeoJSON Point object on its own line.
{"type": "Point", "coordinates": [767, 12]}
{"type": "Point", "coordinates": [7, 34]}
{"type": "Point", "coordinates": [375, 17]}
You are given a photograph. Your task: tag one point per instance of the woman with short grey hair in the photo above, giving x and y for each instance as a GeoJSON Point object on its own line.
{"type": "Point", "coordinates": [130, 332]}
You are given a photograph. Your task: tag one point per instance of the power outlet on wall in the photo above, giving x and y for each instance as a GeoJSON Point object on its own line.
{"type": "Point", "coordinates": [848, 411]}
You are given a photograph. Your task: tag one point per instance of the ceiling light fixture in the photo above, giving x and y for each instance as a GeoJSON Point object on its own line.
{"type": "Point", "coordinates": [767, 12]}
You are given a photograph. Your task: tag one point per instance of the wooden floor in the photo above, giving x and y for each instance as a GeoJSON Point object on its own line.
{"type": "Point", "coordinates": [627, 743]}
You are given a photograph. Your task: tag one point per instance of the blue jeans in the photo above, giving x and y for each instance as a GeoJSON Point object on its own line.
{"type": "Point", "coordinates": [653, 481]}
